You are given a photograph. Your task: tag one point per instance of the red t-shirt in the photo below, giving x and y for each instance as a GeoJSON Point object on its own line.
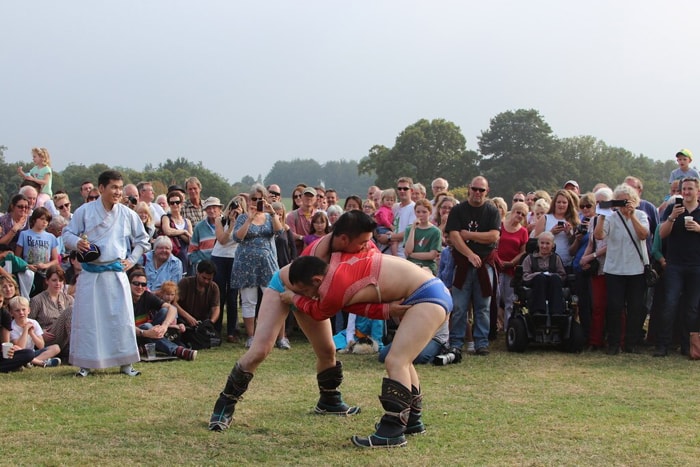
{"type": "Point", "coordinates": [510, 245]}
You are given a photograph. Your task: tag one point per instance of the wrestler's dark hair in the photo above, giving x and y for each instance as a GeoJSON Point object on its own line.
{"type": "Point", "coordinates": [304, 268]}
{"type": "Point", "coordinates": [206, 267]}
{"type": "Point", "coordinates": [353, 224]}
{"type": "Point", "coordinates": [107, 176]}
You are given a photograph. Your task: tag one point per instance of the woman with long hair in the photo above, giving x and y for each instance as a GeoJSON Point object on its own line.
{"type": "Point", "coordinates": [176, 226]}
{"type": "Point", "coordinates": [562, 220]}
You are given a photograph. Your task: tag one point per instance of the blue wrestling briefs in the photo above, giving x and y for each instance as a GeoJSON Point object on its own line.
{"type": "Point", "coordinates": [276, 282]}
{"type": "Point", "coordinates": [432, 291]}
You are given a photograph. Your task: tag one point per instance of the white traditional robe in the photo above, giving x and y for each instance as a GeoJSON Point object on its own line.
{"type": "Point", "coordinates": [102, 330]}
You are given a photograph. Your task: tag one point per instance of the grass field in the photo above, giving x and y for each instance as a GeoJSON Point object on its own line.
{"type": "Point", "coordinates": [538, 408]}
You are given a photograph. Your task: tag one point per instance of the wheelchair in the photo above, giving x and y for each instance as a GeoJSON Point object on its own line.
{"type": "Point", "coordinates": [546, 327]}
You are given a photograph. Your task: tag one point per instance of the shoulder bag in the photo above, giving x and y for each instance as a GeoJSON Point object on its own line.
{"type": "Point", "coordinates": [650, 275]}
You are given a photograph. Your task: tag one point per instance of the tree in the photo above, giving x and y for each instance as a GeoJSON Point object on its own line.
{"type": "Point", "coordinates": [521, 153]}
{"type": "Point", "coordinates": [423, 151]}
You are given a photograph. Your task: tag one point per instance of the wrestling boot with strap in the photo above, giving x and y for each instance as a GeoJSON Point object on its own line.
{"type": "Point", "coordinates": [396, 401]}
{"type": "Point", "coordinates": [331, 401]}
{"type": "Point", "coordinates": [236, 385]}
{"type": "Point", "coordinates": [415, 423]}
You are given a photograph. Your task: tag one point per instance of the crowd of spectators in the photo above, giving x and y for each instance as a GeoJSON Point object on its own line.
{"type": "Point", "coordinates": [217, 255]}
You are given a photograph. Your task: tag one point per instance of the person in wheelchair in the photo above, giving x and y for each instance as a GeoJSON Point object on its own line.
{"type": "Point", "coordinates": [544, 274]}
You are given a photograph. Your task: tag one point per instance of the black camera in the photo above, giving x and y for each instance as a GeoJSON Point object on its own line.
{"type": "Point", "coordinates": [615, 203]}
{"type": "Point", "coordinates": [234, 205]}
{"type": "Point", "coordinates": [583, 228]}
{"type": "Point", "coordinates": [453, 355]}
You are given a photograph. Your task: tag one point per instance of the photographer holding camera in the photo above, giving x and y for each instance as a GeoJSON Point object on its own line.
{"type": "Point", "coordinates": [223, 256]}
{"type": "Point", "coordinates": [623, 268]}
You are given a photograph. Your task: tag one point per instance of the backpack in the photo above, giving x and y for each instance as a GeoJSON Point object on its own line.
{"type": "Point", "coordinates": [203, 336]}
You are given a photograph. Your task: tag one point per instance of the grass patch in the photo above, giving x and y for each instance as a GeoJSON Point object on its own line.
{"type": "Point", "coordinates": [538, 408]}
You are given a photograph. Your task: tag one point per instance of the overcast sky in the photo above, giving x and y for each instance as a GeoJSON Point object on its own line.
{"type": "Point", "coordinates": [241, 85]}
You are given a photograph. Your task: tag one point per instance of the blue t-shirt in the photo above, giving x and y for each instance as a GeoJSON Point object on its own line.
{"type": "Point", "coordinates": [37, 246]}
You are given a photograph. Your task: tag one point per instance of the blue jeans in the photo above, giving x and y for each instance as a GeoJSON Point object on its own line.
{"type": "Point", "coordinates": [679, 281]}
{"type": "Point", "coordinates": [425, 356]}
{"type": "Point", "coordinates": [162, 345]}
{"type": "Point", "coordinates": [470, 293]}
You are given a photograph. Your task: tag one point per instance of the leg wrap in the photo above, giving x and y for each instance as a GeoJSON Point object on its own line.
{"type": "Point", "coordinates": [415, 424]}
{"type": "Point", "coordinates": [236, 385]}
{"type": "Point", "coordinates": [330, 401]}
{"type": "Point", "coordinates": [396, 400]}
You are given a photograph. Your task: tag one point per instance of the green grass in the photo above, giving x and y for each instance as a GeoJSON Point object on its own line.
{"type": "Point", "coordinates": [538, 408]}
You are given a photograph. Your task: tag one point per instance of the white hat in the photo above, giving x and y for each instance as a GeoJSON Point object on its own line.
{"type": "Point", "coordinates": [212, 201]}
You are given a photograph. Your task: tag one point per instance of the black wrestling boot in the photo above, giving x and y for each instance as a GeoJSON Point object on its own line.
{"type": "Point", "coordinates": [396, 400]}
{"type": "Point", "coordinates": [331, 401]}
{"type": "Point", "coordinates": [415, 424]}
{"type": "Point", "coordinates": [236, 385]}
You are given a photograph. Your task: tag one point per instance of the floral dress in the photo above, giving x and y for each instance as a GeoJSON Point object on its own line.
{"type": "Point", "coordinates": [255, 259]}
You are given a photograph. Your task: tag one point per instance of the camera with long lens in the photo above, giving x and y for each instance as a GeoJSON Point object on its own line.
{"type": "Point", "coordinates": [453, 355]}
{"type": "Point", "coordinates": [234, 205]}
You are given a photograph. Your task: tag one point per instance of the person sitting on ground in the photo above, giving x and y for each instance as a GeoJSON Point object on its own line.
{"type": "Point", "coordinates": [18, 357]}
{"type": "Point", "coordinates": [438, 345]}
{"type": "Point", "coordinates": [27, 334]}
{"type": "Point", "coordinates": [160, 264]}
{"type": "Point", "coordinates": [168, 292]}
{"type": "Point", "coordinates": [372, 285]}
{"type": "Point", "coordinates": [543, 272]}
{"type": "Point", "coordinates": [360, 330]}
{"type": "Point", "coordinates": [152, 317]}
{"type": "Point", "coordinates": [198, 296]}
{"type": "Point", "coordinates": [53, 309]}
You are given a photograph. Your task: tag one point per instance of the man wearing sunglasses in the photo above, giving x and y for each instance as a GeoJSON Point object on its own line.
{"type": "Point", "coordinates": [404, 215]}
{"type": "Point", "coordinates": [474, 229]}
{"type": "Point", "coordinates": [274, 193]}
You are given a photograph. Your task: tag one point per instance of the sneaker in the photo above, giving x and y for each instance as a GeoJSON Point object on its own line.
{"type": "Point", "coordinates": [482, 351]}
{"type": "Point", "coordinates": [130, 370]}
{"type": "Point", "coordinates": [249, 342]}
{"type": "Point", "coordinates": [470, 347]}
{"type": "Point", "coordinates": [82, 373]}
{"type": "Point", "coordinates": [185, 353]}
{"type": "Point", "coordinates": [283, 344]}
{"type": "Point", "coordinates": [52, 362]}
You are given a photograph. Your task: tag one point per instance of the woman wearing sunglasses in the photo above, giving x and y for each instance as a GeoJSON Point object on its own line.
{"type": "Point", "coordinates": [177, 227]}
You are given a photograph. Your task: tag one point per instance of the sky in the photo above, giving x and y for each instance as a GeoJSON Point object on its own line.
{"type": "Point", "coordinates": [241, 85]}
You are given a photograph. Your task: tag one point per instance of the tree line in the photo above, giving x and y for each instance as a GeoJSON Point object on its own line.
{"type": "Point", "coordinates": [518, 152]}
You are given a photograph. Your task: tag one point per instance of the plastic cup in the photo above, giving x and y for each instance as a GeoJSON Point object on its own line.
{"type": "Point", "coordinates": [8, 266]}
{"type": "Point", "coordinates": [688, 219]}
{"type": "Point", "coordinates": [150, 350]}
{"type": "Point", "coordinates": [6, 346]}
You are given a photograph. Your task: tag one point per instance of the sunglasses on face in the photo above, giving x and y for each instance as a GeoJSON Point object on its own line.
{"type": "Point", "coordinates": [480, 190]}
{"type": "Point", "coordinates": [175, 202]}
{"type": "Point", "coordinates": [22, 206]}
{"type": "Point", "coordinates": [518, 200]}
{"type": "Point", "coordinates": [139, 284]}
{"type": "Point", "coordinates": [255, 200]}
{"type": "Point", "coordinates": [93, 198]}
{"type": "Point", "coordinates": [297, 196]}
{"type": "Point", "coordinates": [403, 188]}
{"type": "Point", "coordinates": [63, 206]}
{"type": "Point", "coordinates": [274, 193]}
{"type": "Point", "coordinates": [586, 206]}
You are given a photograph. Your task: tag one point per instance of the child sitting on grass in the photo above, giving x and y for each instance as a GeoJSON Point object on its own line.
{"type": "Point", "coordinates": [27, 334]}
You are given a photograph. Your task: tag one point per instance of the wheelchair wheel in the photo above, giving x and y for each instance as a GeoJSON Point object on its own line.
{"type": "Point", "coordinates": [576, 340]}
{"type": "Point", "coordinates": [516, 335]}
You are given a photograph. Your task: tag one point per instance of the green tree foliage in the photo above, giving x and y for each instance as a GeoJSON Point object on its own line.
{"type": "Point", "coordinates": [521, 153]}
{"type": "Point", "coordinates": [423, 151]}
{"type": "Point", "coordinates": [339, 175]}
